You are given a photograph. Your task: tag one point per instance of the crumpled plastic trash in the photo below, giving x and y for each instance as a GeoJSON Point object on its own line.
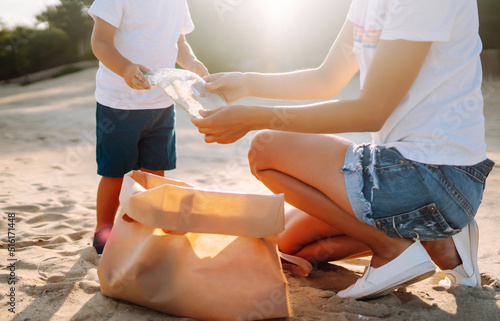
{"type": "Point", "coordinates": [186, 88]}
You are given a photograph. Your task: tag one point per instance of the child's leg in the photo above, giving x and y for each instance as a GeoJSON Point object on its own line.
{"type": "Point", "coordinates": [108, 193]}
{"type": "Point", "coordinates": [107, 201]}
{"type": "Point", "coordinates": [307, 237]}
{"type": "Point", "coordinates": [157, 173]}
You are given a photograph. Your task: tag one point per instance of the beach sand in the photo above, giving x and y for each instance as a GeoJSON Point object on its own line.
{"type": "Point", "coordinates": [48, 183]}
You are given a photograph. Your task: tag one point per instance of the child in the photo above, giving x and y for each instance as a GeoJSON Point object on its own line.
{"type": "Point", "coordinates": [135, 123]}
{"type": "Point", "coordinates": [423, 175]}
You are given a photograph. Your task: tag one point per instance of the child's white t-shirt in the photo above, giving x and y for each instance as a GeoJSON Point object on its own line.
{"type": "Point", "coordinates": [147, 34]}
{"type": "Point", "coordinates": [440, 121]}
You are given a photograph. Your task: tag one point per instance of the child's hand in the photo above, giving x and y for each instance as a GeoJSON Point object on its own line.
{"type": "Point", "coordinates": [231, 85]}
{"type": "Point", "coordinates": [198, 68]}
{"type": "Point", "coordinates": [134, 77]}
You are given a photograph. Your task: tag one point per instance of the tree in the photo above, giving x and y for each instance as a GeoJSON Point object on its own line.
{"type": "Point", "coordinates": [66, 39]}
{"type": "Point", "coordinates": [71, 17]}
{"type": "Point", "coordinates": [48, 48]}
{"type": "Point", "coordinates": [489, 23]}
{"type": "Point", "coordinates": [13, 58]}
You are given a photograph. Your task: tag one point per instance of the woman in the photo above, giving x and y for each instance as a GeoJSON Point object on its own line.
{"type": "Point", "coordinates": [423, 175]}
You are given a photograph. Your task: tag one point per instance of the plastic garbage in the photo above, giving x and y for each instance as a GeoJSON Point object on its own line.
{"type": "Point", "coordinates": [186, 88]}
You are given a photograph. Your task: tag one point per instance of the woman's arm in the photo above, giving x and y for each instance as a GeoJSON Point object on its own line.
{"type": "Point", "coordinates": [102, 42]}
{"type": "Point", "coordinates": [187, 59]}
{"type": "Point", "coordinates": [395, 66]}
{"type": "Point", "coordinates": [323, 82]}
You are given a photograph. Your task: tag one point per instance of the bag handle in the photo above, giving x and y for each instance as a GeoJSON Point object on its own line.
{"type": "Point", "coordinates": [299, 265]}
{"type": "Point", "coordinates": [173, 205]}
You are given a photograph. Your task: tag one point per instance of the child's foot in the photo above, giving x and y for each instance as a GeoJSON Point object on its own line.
{"type": "Point", "coordinates": [100, 239]}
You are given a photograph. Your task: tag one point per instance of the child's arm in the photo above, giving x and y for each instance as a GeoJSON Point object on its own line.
{"type": "Point", "coordinates": [103, 48]}
{"type": "Point", "coordinates": [187, 59]}
{"type": "Point", "coordinates": [321, 83]}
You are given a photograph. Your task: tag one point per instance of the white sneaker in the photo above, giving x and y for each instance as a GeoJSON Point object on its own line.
{"type": "Point", "coordinates": [467, 273]}
{"type": "Point", "coordinates": [411, 266]}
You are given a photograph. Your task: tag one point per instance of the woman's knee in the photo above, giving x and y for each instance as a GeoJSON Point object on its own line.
{"type": "Point", "coordinates": [261, 149]}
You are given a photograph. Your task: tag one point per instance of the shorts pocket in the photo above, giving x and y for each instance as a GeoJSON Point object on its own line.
{"type": "Point", "coordinates": [425, 223]}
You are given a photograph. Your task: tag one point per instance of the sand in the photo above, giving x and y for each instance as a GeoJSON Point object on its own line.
{"type": "Point", "coordinates": [48, 183]}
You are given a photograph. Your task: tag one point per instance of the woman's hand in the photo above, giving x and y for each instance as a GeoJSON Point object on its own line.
{"type": "Point", "coordinates": [231, 86]}
{"type": "Point", "coordinates": [134, 77]}
{"type": "Point", "coordinates": [225, 125]}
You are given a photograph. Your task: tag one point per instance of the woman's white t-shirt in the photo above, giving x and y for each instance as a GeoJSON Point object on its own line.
{"type": "Point", "coordinates": [440, 121]}
{"type": "Point", "coordinates": [147, 34]}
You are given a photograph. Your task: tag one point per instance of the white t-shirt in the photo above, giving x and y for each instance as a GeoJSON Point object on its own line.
{"type": "Point", "coordinates": [147, 34]}
{"type": "Point", "coordinates": [440, 121]}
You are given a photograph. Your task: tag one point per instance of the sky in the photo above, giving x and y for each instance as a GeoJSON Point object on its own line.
{"type": "Point", "coordinates": [22, 12]}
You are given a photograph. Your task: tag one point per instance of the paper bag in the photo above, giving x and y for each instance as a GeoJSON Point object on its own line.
{"type": "Point", "coordinates": [190, 252]}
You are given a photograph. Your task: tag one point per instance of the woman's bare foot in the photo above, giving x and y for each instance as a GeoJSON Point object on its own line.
{"type": "Point", "coordinates": [389, 251]}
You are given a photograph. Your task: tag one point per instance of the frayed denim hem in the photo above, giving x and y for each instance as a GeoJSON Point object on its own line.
{"type": "Point", "coordinates": [353, 177]}
{"type": "Point", "coordinates": [371, 170]}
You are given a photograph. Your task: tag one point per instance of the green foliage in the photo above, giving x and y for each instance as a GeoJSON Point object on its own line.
{"type": "Point", "coordinates": [13, 56]}
{"type": "Point", "coordinates": [489, 27]}
{"type": "Point", "coordinates": [66, 39]}
{"type": "Point", "coordinates": [48, 48]}
{"type": "Point", "coordinates": [71, 17]}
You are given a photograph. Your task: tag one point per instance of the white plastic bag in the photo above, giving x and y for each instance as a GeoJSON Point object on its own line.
{"type": "Point", "coordinates": [186, 88]}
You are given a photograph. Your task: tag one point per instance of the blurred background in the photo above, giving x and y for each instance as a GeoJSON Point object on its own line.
{"type": "Point", "coordinates": [230, 35]}
{"type": "Point", "coordinates": [265, 35]}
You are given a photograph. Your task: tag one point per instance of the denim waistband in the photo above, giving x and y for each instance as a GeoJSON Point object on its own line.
{"type": "Point", "coordinates": [479, 171]}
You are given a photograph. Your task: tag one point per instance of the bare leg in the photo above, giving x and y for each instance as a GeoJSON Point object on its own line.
{"type": "Point", "coordinates": [334, 249]}
{"type": "Point", "coordinates": [443, 253]}
{"type": "Point", "coordinates": [307, 237]}
{"type": "Point", "coordinates": [307, 169]}
{"type": "Point", "coordinates": [108, 193]}
{"type": "Point", "coordinates": [107, 201]}
{"type": "Point", "coordinates": [158, 173]}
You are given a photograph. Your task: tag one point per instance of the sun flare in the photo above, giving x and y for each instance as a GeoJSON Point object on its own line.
{"type": "Point", "coordinates": [279, 13]}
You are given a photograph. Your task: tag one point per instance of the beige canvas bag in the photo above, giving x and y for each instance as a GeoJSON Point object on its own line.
{"type": "Point", "coordinates": [190, 252]}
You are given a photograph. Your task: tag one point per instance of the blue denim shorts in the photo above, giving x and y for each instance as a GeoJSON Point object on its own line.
{"type": "Point", "coordinates": [408, 199]}
{"type": "Point", "coordinates": [134, 139]}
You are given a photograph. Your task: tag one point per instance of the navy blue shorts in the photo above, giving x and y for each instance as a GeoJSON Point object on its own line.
{"type": "Point", "coordinates": [134, 139]}
{"type": "Point", "coordinates": [409, 199]}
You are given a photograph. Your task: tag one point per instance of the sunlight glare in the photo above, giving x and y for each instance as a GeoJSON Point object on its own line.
{"type": "Point", "coordinates": [279, 13]}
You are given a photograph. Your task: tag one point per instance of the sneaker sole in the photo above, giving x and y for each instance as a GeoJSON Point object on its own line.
{"type": "Point", "coordinates": [401, 285]}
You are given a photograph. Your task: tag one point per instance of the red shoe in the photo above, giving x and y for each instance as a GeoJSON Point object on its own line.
{"type": "Point", "coordinates": [100, 238]}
